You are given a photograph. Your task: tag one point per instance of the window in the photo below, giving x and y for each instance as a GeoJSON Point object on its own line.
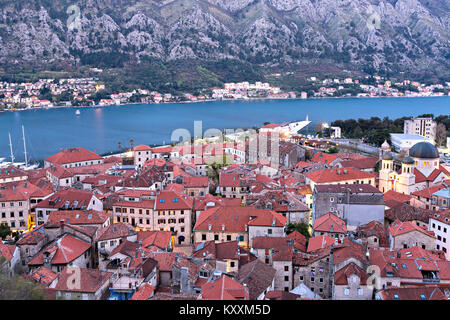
{"type": "Point", "coordinates": [312, 279]}
{"type": "Point", "coordinates": [111, 243]}
{"type": "Point", "coordinates": [360, 292]}
{"type": "Point", "coordinates": [269, 231]}
{"type": "Point", "coordinates": [232, 264]}
{"type": "Point", "coordinates": [286, 278]}
{"type": "Point", "coordinates": [286, 268]}
{"type": "Point", "coordinates": [228, 237]}
{"type": "Point", "coordinates": [203, 236]}
{"type": "Point", "coordinates": [216, 237]}
{"type": "Point", "coordinates": [347, 291]}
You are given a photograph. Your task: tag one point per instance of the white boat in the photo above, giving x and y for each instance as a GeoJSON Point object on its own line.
{"type": "Point", "coordinates": [22, 165]}
{"type": "Point", "coordinates": [77, 112]}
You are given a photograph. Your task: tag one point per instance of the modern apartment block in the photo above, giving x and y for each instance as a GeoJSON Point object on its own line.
{"type": "Point", "coordinates": [423, 126]}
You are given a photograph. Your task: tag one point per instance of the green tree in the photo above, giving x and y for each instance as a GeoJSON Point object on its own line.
{"type": "Point", "coordinates": [5, 230]}
{"type": "Point", "coordinates": [333, 150]}
{"type": "Point", "coordinates": [17, 288]}
{"type": "Point", "coordinates": [301, 227]}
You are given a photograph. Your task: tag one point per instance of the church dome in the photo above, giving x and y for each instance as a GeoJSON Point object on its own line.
{"type": "Point", "coordinates": [388, 156]}
{"type": "Point", "coordinates": [408, 160]}
{"type": "Point", "coordinates": [424, 150]}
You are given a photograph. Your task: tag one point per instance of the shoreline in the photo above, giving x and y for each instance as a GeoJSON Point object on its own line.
{"type": "Point", "coordinates": [216, 100]}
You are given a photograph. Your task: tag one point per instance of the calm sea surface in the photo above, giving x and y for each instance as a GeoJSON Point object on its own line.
{"type": "Point", "coordinates": [101, 128]}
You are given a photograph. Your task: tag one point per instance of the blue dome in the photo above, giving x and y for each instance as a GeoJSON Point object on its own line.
{"type": "Point", "coordinates": [424, 150]}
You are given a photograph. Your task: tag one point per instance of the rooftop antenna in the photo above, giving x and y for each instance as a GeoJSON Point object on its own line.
{"type": "Point", "coordinates": [10, 147]}
{"type": "Point", "coordinates": [24, 147]}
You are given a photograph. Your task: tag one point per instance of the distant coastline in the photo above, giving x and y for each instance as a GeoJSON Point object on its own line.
{"type": "Point", "coordinates": [218, 100]}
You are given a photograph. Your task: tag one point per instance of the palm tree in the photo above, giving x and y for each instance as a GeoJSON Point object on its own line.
{"type": "Point", "coordinates": [131, 144]}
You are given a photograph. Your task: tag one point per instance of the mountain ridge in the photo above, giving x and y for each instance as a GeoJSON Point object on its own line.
{"type": "Point", "coordinates": [396, 36]}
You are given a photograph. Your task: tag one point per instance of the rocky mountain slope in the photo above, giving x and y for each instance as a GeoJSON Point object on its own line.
{"type": "Point", "coordinates": [395, 35]}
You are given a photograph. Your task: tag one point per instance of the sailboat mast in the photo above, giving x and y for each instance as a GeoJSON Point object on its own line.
{"type": "Point", "coordinates": [10, 147]}
{"type": "Point", "coordinates": [25, 147]}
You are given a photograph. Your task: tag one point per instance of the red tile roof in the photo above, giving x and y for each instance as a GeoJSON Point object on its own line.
{"type": "Point", "coordinates": [170, 200]}
{"type": "Point", "coordinates": [341, 276]}
{"type": "Point", "coordinates": [142, 147]}
{"type": "Point", "coordinates": [399, 228]}
{"type": "Point", "coordinates": [363, 163]}
{"type": "Point", "coordinates": [73, 155]}
{"type": "Point", "coordinates": [224, 288]}
{"type": "Point", "coordinates": [77, 217]}
{"type": "Point", "coordinates": [44, 275]}
{"type": "Point", "coordinates": [7, 251]}
{"type": "Point", "coordinates": [334, 175]}
{"type": "Point", "coordinates": [319, 242]}
{"type": "Point", "coordinates": [330, 223]}
{"type": "Point", "coordinates": [76, 199]}
{"type": "Point", "coordinates": [235, 218]}
{"type": "Point", "coordinates": [67, 248]}
{"type": "Point", "coordinates": [396, 196]}
{"type": "Point", "coordinates": [91, 280]}
{"type": "Point", "coordinates": [115, 231]}
{"type": "Point", "coordinates": [427, 192]}
{"type": "Point", "coordinates": [144, 292]}
{"type": "Point", "coordinates": [160, 239]}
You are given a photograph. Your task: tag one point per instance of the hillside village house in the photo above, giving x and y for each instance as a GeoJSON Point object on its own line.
{"type": "Point", "coordinates": [12, 174]}
{"type": "Point", "coordinates": [92, 285]}
{"type": "Point", "coordinates": [344, 176]}
{"type": "Point", "coordinates": [73, 157]}
{"type": "Point", "coordinates": [355, 204]}
{"type": "Point", "coordinates": [403, 235]}
{"type": "Point", "coordinates": [141, 154]}
{"type": "Point", "coordinates": [238, 223]}
{"type": "Point", "coordinates": [440, 225]}
{"type": "Point", "coordinates": [67, 199]}
{"type": "Point", "coordinates": [14, 209]}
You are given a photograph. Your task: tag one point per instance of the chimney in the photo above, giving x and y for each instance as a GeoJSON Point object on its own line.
{"type": "Point", "coordinates": [273, 222]}
{"type": "Point", "coordinates": [223, 227]}
{"type": "Point", "coordinates": [209, 227]}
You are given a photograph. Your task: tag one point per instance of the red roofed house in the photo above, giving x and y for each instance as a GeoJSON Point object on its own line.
{"type": "Point", "coordinates": [12, 174]}
{"type": "Point", "coordinates": [350, 283]}
{"type": "Point", "coordinates": [141, 153]}
{"type": "Point", "coordinates": [66, 199]}
{"type": "Point", "coordinates": [233, 185]}
{"type": "Point", "coordinates": [339, 176]}
{"type": "Point", "coordinates": [11, 254]}
{"type": "Point", "coordinates": [14, 208]}
{"type": "Point", "coordinates": [73, 157]}
{"type": "Point", "coordinates": [83, 284]}
{"type": "Point", "coordinates": [243, 223]}
{"type": "Point", "coordinates": [144, 292]}
{"type": "Point", "coordinates": [173, 212]}
{"type": "Point", "coordinates": [224, 288]}
{"type": "Point", "coordinates": [440, 225]}
{"type": "Point", "coordinates": [403, 235]}
{"type": "Point", "coordinates": [320, 242]}
{"type": "Point", "coordinates": [67, 250]}
{"type": "Point", "coordinates": [110, 237]}
{"type": "Point", "coordinates": [350, 275]}
{"type": "Point", "coordinates": [413, 265]}
{"type": "Point", "coordinates": [331, 226]}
